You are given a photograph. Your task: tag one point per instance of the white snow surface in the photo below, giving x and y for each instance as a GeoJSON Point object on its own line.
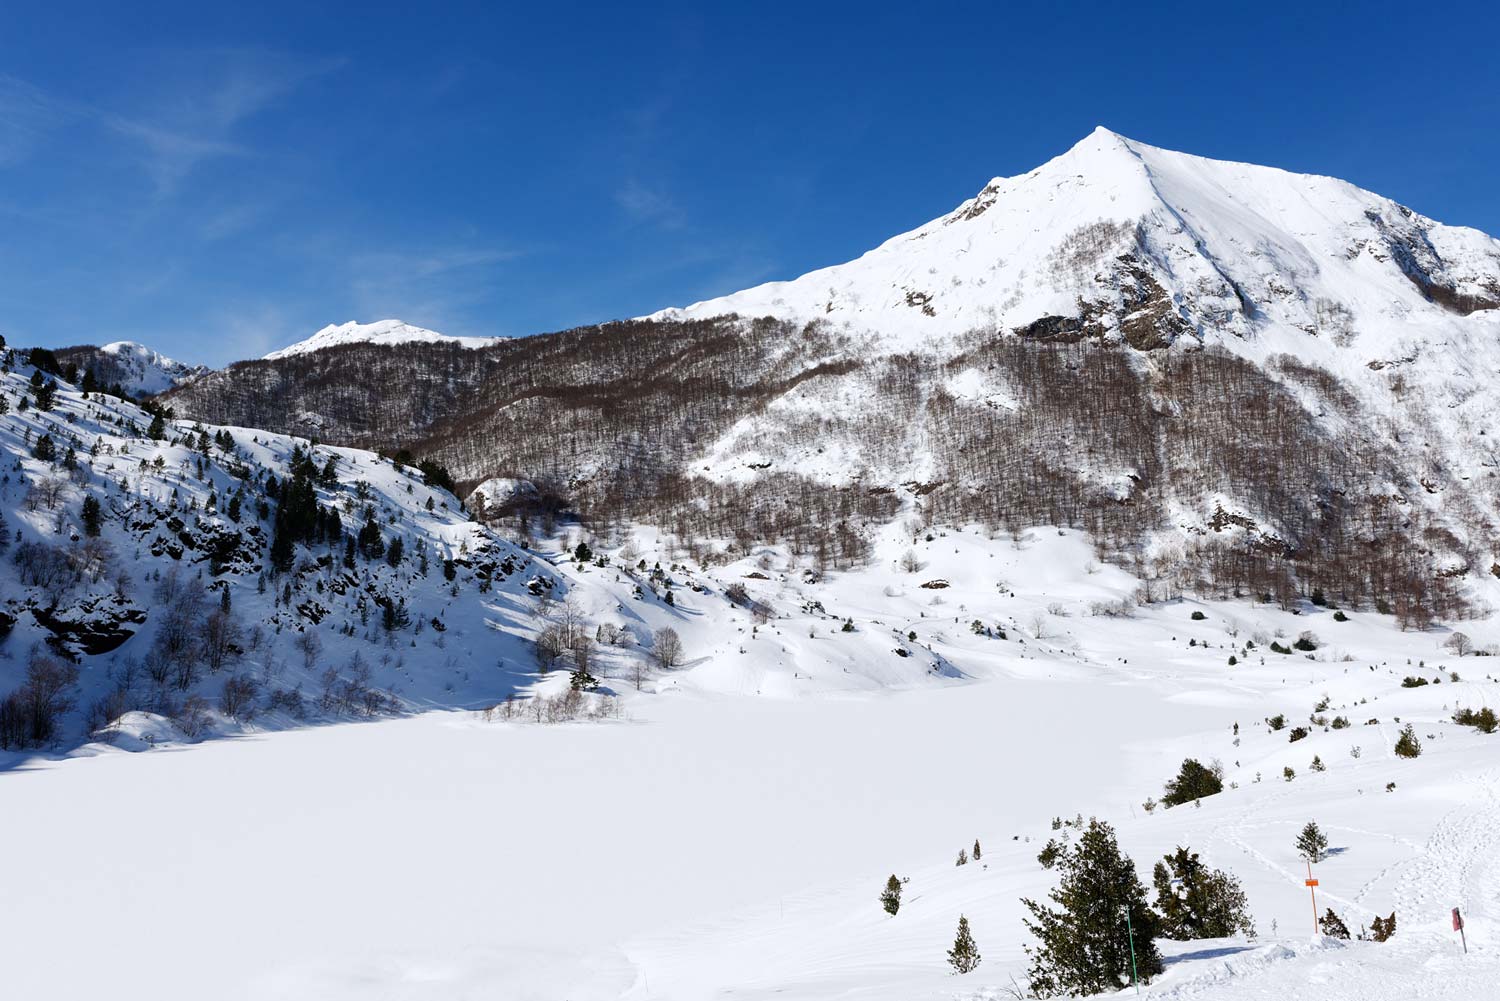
{"type": "Point", "coordinates": [727, 837]}
{"type": "Point", "coordinates": [378, 332]}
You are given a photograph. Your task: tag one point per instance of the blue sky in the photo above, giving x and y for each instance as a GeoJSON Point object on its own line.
{"type": "Point", "coordinates": [217, 182]}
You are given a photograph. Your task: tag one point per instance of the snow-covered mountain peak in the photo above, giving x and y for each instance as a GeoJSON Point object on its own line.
{"type": "Point", "coordinates": [379, 332]}
{"type": "Point", "coordinates": [1099, 150]}
{"type": "Point", "coordinates": [1117, 239]}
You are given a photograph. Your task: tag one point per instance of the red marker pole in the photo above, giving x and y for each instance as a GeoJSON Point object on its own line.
{"type": "Point", "coordinates": [1311, 884]}
{"type": "Point", "coordinates": [1458, 926]}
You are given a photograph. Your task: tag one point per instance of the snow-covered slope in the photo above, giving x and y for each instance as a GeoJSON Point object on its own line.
{"type": "Point", "coordinates": [1126, 235]}
{"type": "Point", "coordinates": [721, 842]}
{"type": "Point", "coordinates": [379, 332]}
{"type": "Point", "coordinates": [186, 521]}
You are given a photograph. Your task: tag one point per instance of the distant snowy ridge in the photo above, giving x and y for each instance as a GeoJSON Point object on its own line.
{"type": "Point", "coordinates": [379, 332]}
{"type": "Point", "coordinates": [134, 367]}
{"type": "Point", "coordinates": [154, 372]}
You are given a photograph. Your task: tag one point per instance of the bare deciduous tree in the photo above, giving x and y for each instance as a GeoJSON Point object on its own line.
{"type": "Point", "coordinates": [310, 645]}
{"type": "Point", "coordinates": [666, 648]}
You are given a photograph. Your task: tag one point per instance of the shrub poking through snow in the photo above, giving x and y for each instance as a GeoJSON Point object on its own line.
{"type": "Point", "coordinates": [1332, 925]}
{"type": "Point", "coordinates": [1194, 781]}
{"type": "Point", "coordinates": [1407, 745]}
{"type": "Point", "coordinates": [1076, 951]}
{"type": "Point", "coordinates": [1381, 929]}
{"type": "Point", "coordinates": [1482, 720]}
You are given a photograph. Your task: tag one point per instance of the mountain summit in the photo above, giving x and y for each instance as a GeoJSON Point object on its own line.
{"type": "Point", "coordinates": [379, 332]}
{"type": "Point", "coordinates": [1119, 239]}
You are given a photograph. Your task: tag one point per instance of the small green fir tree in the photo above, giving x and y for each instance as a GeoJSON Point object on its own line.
{"type": "Point", "coordinates": [890, 897]}
{"type": "Point", "coordinates": [964, 956]}
{"type": "Point", "coordinates": [1407, 745]}
{"type": "Point", "coordinates": [1312, 843]}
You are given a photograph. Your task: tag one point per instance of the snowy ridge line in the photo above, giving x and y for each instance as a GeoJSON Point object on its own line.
{"type": "Point", "coordinates": [378, 332]}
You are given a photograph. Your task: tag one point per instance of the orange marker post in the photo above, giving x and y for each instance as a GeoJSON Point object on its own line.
{"type": "Point", "coordinates": [1311, 885]}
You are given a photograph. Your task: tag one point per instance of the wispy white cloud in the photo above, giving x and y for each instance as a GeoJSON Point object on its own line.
{"type": "Point", "coordinates": [168, 156]}
{"type": "Point", "coordinates": [26, 115]}
{"type": "Point", "coordinates": [203, 98]}
{"type": "Point", "coordinates": [186, 113]}
{"type": "Point", "coordinates": [642, 204]}
{"type": "Point", "coordinates": [435, 287]}
{"type": "Point", "coordinates": [231, 220]}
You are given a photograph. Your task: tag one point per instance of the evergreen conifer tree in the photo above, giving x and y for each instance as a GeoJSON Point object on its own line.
{"type": "Point", "coordinates": [92, 515]}
{"type": "Point", "coordinates": [890, 897]}
{"type": "Point", "coordinates": [1312, 843]}
{"type": "Point", "coordinates": [370, 542]}
{"type": "Point", "coordinates": [1333, 926]}
{"type": "Point", "coordinates": [1083, 946]}
{"type": "Point", "coordinates": [1198, 902]}
{"type": "Point", "coordinates": [1194, 781]}
{"type": "Point", "coordinates": [393, 615]}
{"type": "Point", "coordinates": [964, 956]}
{"type": "Point", "coordinates": [283, 551]}
{"type": "Point", "coordinates": [1407, 745]}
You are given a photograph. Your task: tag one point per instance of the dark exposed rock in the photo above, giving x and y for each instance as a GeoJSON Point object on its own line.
{"type": "Point", "coordinates": [94, 626]}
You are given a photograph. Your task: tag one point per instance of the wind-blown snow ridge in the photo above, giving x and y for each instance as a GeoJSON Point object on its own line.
{"type": "Point", "coordinates": [379, 332]}
{"type": "Point", "coordinates": [1114, 226]}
